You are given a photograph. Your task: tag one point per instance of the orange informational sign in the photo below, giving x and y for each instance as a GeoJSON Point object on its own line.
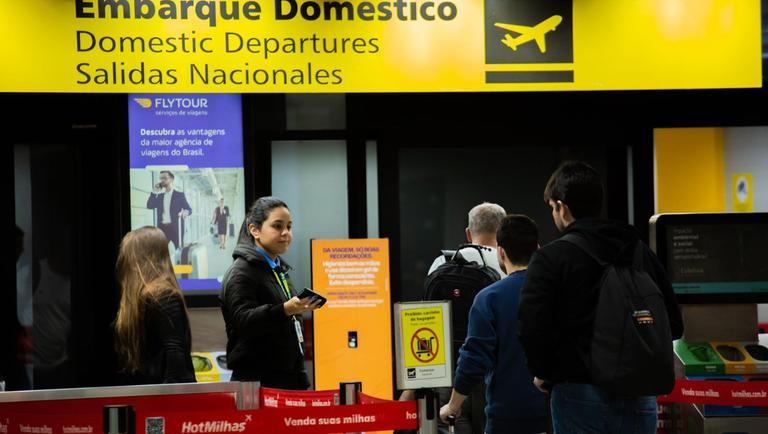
{"type": "Point", "coordinates": [353, 340]}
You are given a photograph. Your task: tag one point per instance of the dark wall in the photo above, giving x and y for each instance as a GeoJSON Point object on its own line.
{"type": "Point", "coordinates": [615, 120]}
{"type": "Point", "coordinates": [438, 187]}
{"type": "Point", "coordinates": [75, 148]}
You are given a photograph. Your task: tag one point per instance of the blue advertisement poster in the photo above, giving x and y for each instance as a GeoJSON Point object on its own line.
{"type": "Point", "coordinates": [186, 178]}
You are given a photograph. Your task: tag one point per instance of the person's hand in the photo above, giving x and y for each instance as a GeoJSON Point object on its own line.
{"type": "Point", "coordinates": [540, 384]}
{"type": "Point", "coordinates": [446, 411]}
{"type": "Point", "coordinates": [297, 306]}
{"type": "Point", "coordinates": [407, 395]}
{"type": "Point", "coordinates": [183, 214]}
{"type": "Point", "coordinates": [157, 188]}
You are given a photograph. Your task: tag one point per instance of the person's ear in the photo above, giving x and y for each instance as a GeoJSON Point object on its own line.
{"type": "Point", "coordinates": [469, 235]}
{"type": "Point", "coordinates": [254, 232]}
{"type": "Point", "coordinates": [559, 206]}
{"type": "Point", "coordinates": [500, 254]}
{"type": "Point", "coordinates": [565, 212]}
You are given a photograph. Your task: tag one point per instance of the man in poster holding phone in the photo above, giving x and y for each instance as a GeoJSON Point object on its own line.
{"type": "Point", "coordinates": [170, 205]}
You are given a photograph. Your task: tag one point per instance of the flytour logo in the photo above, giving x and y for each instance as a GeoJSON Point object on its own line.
{"type": "Point", "coordinates": [521, 32]}
{"type": "Point", "coordinates": [173, 103]}
{"type": "Point", "coordinates": [4, 427]}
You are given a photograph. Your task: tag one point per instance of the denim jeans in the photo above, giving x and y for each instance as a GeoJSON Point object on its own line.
{"type": "Point", "coordinates": [585, 409]}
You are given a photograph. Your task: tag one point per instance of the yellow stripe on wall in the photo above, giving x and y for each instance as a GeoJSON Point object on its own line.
{"type": "Point", "coordinates": [690, 170]}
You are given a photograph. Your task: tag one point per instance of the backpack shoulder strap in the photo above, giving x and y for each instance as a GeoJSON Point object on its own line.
{"type": "Point", "coordinates": [476, 247]}
{"type": "Point", "coordinates": [448, 254]}
{"type": "Point", "coordinates": [581, 243]}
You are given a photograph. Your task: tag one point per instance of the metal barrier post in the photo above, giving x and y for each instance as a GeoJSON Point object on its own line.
{"type": "Point", "coordinates": [119, 419]}
{"type": "Point", "coordinates": [249, 396]}
{"type": "Point", "coordinates": [428, 411]}
{"type": "Point", "coordinates": [348, 393]}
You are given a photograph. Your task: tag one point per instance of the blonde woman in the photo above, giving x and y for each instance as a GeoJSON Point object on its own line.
{"type": "Point", "coordinates": [153, 340]}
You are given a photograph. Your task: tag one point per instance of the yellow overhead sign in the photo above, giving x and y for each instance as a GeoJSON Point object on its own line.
{"type": "Point", "coordinates": [208, 46]}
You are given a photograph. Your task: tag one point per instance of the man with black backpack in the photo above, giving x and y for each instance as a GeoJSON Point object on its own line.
{"type": "Point", "coordinates": [597, 315]}
{"type": "Point", "coordinates": [459, 275]}
{"type": "Point", "coordinates": [491, 353]}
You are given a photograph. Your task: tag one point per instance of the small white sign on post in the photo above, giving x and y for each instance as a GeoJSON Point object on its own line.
{"type": "Point", "coordinates": [423, 344]}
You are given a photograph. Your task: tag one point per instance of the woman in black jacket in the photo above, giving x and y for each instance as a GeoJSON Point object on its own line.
{"type": "Point", "coordinates": [152, 333]}
{"type": "Point", "coordinates": [261, 311]}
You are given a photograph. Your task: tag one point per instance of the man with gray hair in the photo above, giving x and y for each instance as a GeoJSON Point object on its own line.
{"type": "Point", "coordinates": [484, 220]}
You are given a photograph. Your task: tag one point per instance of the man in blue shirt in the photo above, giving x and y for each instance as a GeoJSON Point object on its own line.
{"type": "Point", "coordinates": [492, 350]}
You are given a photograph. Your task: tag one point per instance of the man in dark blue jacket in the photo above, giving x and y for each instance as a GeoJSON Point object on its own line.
{"type": "Point", "coordinates": [492, 351]}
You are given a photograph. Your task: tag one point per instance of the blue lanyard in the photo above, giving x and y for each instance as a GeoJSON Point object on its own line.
{"type": "Point", "coordinates": [282, 282]}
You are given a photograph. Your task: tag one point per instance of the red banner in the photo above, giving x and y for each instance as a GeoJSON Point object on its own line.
{"type": "Point", "coordinates": [388, 416]}
{"type": "Point", "coordinates": [20, 423]}
{"type": "Point", "coordinates": [335, 419]}
{"type": "Point", "coordinates": [362, 398]}
{"type": "Point", "coordinates": [277, 398]}
{"type": "Point", "coordinates": [177, 402]}
{"type": "Point", "coordinates": [748, 393]}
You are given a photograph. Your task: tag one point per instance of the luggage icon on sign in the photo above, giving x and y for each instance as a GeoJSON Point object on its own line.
{"type": "Point", "coordinates": [425, 345]}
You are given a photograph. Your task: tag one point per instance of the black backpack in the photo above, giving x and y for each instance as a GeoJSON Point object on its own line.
{"type": "Point", "coordinates": [631, 347]}
{"type": "Point", "coordinates": [459, 281]}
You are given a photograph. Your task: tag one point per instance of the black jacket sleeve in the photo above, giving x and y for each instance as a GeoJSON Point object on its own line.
{"type": "Point", "coordinates": [168, 320]}
{"type": "Point", "coordinates": [536, 316]}
{"type": "Point", "coordinates": [250, 314]}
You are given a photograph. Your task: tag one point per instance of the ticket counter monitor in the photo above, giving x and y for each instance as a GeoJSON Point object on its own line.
{"type": "Point", "coordinates": [718, 267]}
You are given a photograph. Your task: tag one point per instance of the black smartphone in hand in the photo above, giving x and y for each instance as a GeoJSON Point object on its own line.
{"type": "Point", "coordinates": [308, 293]}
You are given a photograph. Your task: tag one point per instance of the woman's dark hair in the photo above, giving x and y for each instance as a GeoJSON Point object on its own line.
{"type": "Point", "coordinates": [244, 237]}
{"type": "Point", "coordinates": [258, 214]}
{"type": "Point", "coordinates": [577, 185]}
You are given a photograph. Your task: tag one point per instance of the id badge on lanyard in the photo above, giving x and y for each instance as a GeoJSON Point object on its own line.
{"type": "Point", "coordinates": [283, 283]}
{"type": "Point", "coordinates": [299, 335]}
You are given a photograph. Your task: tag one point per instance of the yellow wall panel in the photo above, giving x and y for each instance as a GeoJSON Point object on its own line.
{"type": "Point", "coordinates": [690, 170]}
